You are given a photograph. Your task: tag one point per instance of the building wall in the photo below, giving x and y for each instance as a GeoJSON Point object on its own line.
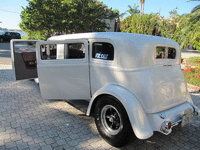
{"type": "Point", "coordinates": [111, 23]}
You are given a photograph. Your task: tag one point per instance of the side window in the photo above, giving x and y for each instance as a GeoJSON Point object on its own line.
{"type": "Point", "coordinates": [62, 51]}
{"type": "Point", "coordinates": [76, 50]}
{"type": "Point", "coordinates": [102, 50]}
{"type": "Point", "coordinates": [165, 52]}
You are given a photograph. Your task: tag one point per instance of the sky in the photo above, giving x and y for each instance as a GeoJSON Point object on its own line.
{"type": "Point", "coordinates": [10, 9]}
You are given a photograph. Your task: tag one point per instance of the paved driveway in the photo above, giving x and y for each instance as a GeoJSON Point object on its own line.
{"type": "Point", "coordinates": [29, 122]}
{"type": "Point", "coordinates": [186, 54]}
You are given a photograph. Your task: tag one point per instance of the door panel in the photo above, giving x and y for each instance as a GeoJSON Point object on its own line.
{"type": "Point", "coordinates": [63, 69]}
{"type": "Point", "coordinates": [23, 53]}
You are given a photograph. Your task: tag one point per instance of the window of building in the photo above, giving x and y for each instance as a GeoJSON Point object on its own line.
{"type": "Point", "coordinates": [62, 51]}
{"type": "Point", "coordinates": [165, 52]}
{"type": "Point", "coordinates": [102, 50]}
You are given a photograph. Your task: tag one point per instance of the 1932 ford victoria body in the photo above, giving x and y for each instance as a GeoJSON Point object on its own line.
{"type": "Point", "coordinates": [134, 83]}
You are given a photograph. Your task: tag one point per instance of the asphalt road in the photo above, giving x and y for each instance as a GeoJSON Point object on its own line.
{"type": "Point", "coordinates": [5, 55]}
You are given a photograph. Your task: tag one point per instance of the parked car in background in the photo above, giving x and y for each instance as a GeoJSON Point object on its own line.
{"type": "Point", "coordinates": [7, 36]}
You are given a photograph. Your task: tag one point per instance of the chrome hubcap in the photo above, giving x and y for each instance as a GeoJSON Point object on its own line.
{"type": "Point", "coordinates": [111, 119]}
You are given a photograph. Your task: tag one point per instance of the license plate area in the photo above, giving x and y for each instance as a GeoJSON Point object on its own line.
{"type": "Point", "coordinates": [187, 117]}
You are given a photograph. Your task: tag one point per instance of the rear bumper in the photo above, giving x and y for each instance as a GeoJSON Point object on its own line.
{"type": "Point", "coordinates": [165, 120]}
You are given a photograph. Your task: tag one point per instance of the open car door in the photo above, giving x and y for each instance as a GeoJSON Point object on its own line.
{"type": "Point", "coordinates": [63, 69]}
{"type": "Point", "coordinates": [23, 53]}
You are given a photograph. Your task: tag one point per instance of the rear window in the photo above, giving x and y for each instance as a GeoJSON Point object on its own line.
{"type": "Point", "coordinates": [163, 52]}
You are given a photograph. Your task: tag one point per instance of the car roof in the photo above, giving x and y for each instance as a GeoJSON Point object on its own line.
{"type": "Point", "coordinates": [129, 47]}
{"type": "Point", "coordinates": [106, 35]}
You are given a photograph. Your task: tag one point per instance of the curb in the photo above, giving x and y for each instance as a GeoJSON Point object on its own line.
{"type": "Point", "coordinates": [192, 88]}
{"type": "Point", "coordinates": [5, 66]}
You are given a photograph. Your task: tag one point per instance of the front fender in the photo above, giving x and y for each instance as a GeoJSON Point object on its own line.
{"type": "Point", "coordinates": [136, 114]}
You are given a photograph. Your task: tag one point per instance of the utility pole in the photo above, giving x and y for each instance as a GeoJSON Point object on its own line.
{"type": "Point", "coordinates": [159, 11]}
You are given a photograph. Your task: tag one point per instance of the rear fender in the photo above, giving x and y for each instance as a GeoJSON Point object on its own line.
{"type": "Point", "coordinates": [136, 114]}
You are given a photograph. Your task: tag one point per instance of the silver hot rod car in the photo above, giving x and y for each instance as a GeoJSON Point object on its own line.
{"type": "Point", "coordinates": [134, 83]}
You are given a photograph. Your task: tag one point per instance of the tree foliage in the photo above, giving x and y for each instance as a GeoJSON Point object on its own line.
{"type": "Point", "coordinates": [64, 16]}
{"type": "Point", "coordinates": [188, 31]}
{"type": "Point", "coordinates": [183, 29]}
{"type": "Point", "coordinates": [173, 13]}
{"type": "Point", "coordinates": [133, 10]}
{"type": "Point", "coordinates": [139, 24]}
{"type": "Point", "coordinates": [195, 8]}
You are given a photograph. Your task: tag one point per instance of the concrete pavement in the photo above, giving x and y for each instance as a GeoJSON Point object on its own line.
{"type": "Point", "coordinates": [186, 54]}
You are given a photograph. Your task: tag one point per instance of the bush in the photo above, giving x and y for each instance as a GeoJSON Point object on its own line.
{"type": "Point", "coordinates": [187, 33]}
{"type": "Point", "coordinates": [36, 35]}
{"type": "Point", "coordinates": [192, 75]}
{"type": "Point", "coordinates": [182, 29]}
{"type": "Point", "coordinates": [145, 24]}
{"type": "Point", "coordinates": [194, 60]}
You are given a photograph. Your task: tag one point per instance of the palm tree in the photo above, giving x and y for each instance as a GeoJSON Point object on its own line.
{"type": "Point", "coordinates": [133, 10]}
{"type": "Point", "coordinates": [142, 7]}
{"type": "Point", "coordinates": [195, 9]}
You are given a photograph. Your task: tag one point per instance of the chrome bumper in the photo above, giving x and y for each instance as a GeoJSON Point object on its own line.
{"type": "Point", "coordinates": [164, 121]}
{"type": "Point", "coordinates": [166, 126]}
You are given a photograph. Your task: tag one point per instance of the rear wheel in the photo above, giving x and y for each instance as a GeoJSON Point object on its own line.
{"type": "Point", "coordinates": [112, 121]}
{"type": "Point", "coordinates": [1, 39]}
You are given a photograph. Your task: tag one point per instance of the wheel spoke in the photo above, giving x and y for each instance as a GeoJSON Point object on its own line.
{"type": "Point", "coordinates": [111, 125]}
{"type": "Point", "coordinates": [112, 111]}
{"type": "Point", "coordinates": [117, 124]}
{"type": "Point", "coordinates": [108, 116]}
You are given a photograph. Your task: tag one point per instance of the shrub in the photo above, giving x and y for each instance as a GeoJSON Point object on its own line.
{"type": "Point", "coordinates": [187, 69]}
{"type": "Point", "coordinates": [192, 75]}
{"type": "Point", "coordinates": [187, 33]}
{"type": "Point", "coordinates": [194, 60]}
{"type": "Point", "coordinates": [183, 29]}
{"type": "Point", "coordinates": [145, 24]}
